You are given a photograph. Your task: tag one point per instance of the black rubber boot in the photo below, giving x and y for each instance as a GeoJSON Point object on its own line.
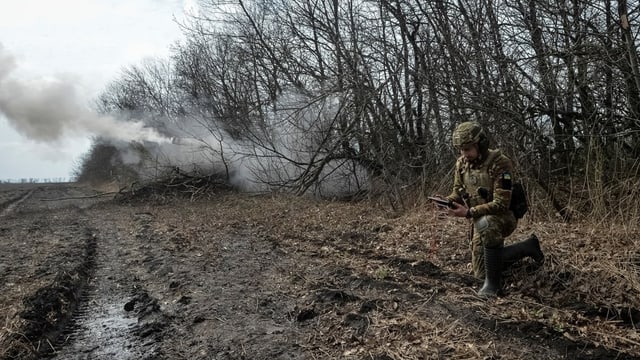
{"type": "Point", "coordinates": [527, 248]}
{"type": "Point", "coordinates": [492, 271]}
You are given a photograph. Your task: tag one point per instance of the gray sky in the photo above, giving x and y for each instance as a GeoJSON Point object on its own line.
{"type": "Point", "coordinates": [58, 55]}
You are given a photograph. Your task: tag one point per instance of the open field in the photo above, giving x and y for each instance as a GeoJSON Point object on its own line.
{"type": "Point", "coordinates": [234, 276]}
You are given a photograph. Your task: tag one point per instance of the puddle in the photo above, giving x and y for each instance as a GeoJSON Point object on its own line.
{"type": "Point", "coordinates": [102, 333]}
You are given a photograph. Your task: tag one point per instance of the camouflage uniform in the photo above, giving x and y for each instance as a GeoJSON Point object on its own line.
{"type": "Point", "coordinates": [484, 185]}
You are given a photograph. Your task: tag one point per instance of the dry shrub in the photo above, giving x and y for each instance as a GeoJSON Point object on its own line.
{"type": "Point", "coordinates": [625, 201]}
{"type": "Point", "coordinates": [102, 164]}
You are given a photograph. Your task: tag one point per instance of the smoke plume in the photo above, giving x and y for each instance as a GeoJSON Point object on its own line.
{"type": "Point", "coordinates": [48, 109]}
{"type": "Point", "coordinates": [283, 155]}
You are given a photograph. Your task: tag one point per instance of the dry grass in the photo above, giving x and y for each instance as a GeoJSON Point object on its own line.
{"type": "Point", "coordinates": [586, 292]}
{"type": "Point", "coordinates": [12, 342]}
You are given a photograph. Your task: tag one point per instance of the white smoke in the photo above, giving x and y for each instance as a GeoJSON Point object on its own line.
{"type": "Point", "coordinates": [48, 109]}
{"type": "Point", "coordinates": [194, 148]}
{"type": "Point", "coordinates": [277, 155]}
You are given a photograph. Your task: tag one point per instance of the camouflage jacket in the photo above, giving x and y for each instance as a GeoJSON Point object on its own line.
{"type": "Point", "coordinates": [485, 184]}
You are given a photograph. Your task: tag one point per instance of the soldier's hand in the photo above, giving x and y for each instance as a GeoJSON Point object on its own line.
{"type": "Point", "coordinates": [458, 210]}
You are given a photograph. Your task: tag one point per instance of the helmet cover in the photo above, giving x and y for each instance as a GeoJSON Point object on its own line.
{"type": "Point", "coordinates": [467, 133]}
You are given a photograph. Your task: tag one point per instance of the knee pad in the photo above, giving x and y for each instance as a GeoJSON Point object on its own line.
{"type": "Point", "coordinates": [490, 231]}
{"type": "Point", "coordinates": [482, 224]}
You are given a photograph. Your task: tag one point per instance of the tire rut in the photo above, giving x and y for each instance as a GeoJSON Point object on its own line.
{"type": "Point", "coordinates": [8, 206]}
{"type": "Point", "coordinates": [100, 328]}
{"type": "Point", "coordinates": [49, 311]}
{"type": "Point", "coordinates": [109, 322]}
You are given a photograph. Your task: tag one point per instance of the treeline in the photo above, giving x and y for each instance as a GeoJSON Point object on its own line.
{"type": "Point", "coordinates": [555, 83]}
{"type": "Point", "coordinates": [56, 180]}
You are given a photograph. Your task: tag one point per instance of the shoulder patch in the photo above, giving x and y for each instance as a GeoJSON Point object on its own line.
{"type": "Point", "coordinates": [506, 180]}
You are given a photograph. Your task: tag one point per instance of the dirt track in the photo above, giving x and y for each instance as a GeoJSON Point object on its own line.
{"type": "Point", "coordinates": [242, 277]}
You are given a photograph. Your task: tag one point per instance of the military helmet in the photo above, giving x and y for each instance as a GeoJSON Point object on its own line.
{"type": "Point", "coordinates": [468, 133]}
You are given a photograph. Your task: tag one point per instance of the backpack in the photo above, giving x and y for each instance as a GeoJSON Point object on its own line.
{"type": "Point", "coordinates": [518, 204]}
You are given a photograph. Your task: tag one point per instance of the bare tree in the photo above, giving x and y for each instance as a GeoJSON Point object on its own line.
{"type": "Point", "coordinates": [556, 84]}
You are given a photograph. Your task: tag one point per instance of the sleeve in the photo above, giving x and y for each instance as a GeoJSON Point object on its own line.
{"type": "Point", "coordinates": [502, 174]}
{"type": "Point", "coordinates": [457, 184]}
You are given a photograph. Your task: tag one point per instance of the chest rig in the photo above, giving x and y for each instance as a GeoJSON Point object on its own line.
{"type": "Point", "coordinates": [479, 176]}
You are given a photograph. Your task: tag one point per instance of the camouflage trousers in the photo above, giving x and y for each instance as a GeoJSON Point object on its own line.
{"type": "Point", "coordinates": [489, 231]}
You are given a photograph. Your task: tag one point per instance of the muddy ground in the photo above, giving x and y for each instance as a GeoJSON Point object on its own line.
{"type": "Point", "coordinates": [236, 276]}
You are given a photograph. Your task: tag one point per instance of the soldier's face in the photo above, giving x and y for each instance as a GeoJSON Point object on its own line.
{"type": "Point", "coordinates": [470, 152]}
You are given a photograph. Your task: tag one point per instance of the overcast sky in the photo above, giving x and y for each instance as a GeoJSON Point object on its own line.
{"type": "Point", "coordinates": [74, 44]}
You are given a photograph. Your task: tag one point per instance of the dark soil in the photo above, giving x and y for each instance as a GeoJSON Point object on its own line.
{"type": "Point", "coordinates": [233, 276]}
